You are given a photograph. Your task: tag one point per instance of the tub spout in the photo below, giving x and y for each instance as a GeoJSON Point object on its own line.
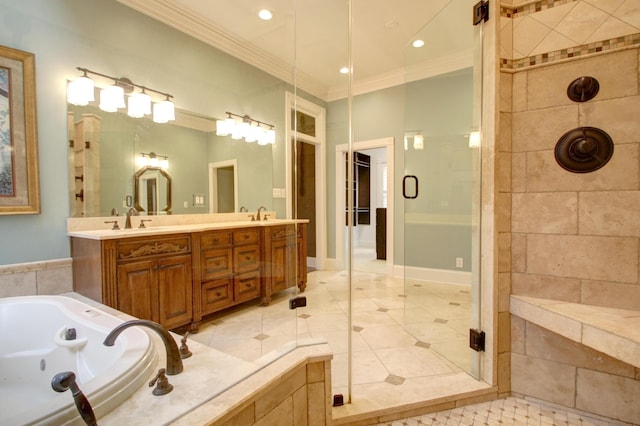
{"type": "Point", "coordinates": [67, 380]}
{"type": "Point", "coordinates": [174, 362]}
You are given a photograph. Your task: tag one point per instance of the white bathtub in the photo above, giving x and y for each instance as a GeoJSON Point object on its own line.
{"type": "Point", "coordinates": [33, 349]}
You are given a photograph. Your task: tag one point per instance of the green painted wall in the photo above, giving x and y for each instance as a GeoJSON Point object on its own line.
{"type": "Point", "coordinates": [108, 37]}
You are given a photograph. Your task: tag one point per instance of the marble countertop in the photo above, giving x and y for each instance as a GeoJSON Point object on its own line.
{"type": "Point", "coordinates": [99, 229]}
{"type": "Point", "coordinates": [212, 381]}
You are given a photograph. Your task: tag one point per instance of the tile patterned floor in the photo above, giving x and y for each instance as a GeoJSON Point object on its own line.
{"type": "Point", "coordinates": [409, 342]}
{"type": "Point", "coordinates": [508, 411]}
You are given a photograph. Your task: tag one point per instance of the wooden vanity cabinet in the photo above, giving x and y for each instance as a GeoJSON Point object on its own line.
{"type": "Point", "coordinates": [229, 270]}
{"type": "Point", "coordinates": [147, 277]}
{"type": "Point", "coordinates": [176, 279]}
{"type": "Point", "coordinates": [286, 259]}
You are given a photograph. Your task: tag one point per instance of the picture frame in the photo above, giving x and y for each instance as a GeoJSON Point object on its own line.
{"type": "Point", "coordinates": [19, 180]}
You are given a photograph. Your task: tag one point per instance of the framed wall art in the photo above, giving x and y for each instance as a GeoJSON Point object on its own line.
{"type": "Point", "coordinates": [19, 182]}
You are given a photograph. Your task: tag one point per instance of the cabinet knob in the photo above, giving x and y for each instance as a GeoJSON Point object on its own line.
{"type": "Point", "coordinates": [218, 294]}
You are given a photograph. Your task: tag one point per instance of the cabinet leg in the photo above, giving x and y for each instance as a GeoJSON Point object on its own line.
{"type": "Point", "coordinates": [266, 300]}
{"type": "Point", "coordinates": [194, 327]}
{"type": "Point", "coordinates": [302, 287]}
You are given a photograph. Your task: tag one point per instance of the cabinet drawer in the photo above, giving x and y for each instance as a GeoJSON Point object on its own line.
{"type": "Point", "coordinates": [216, 263]}
{"type": "Point", "coordinates": [247, 286]}
{"type": "Point", "coordinates": [215, 239]}
{"type": "Point", "coordinates": [216, 295]}
{"type": "Point", "coordinates": [130, 249]}
{"type": "Point", "coordinates": [246, 236]}
{"type": "Point", "coordinates": [246, 258]}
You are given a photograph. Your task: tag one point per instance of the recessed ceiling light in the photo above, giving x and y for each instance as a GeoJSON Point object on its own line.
{"type": "Point", "coordinates": [265, 14]}
{"type": "Point", "coordinates": [344, 70]}
{"type": "Point", "coordinates": [418, 43]}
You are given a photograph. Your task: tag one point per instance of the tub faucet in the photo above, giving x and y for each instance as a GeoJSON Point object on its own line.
{"type": "Point", "coordinates": [130, 212]}
{"type": "Point", "coordinates": [174, 361]}
{"type": "Point", "coordinates": [259, 210]}
{"type": "Point", "coordinates": [67, 380]}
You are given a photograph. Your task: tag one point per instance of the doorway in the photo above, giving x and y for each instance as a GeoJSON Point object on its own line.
{"type": "Point", "coordinates": [381, 150]}
{"type": "Point", "coordinates": [305, 188]}
{"type": "Point", "coordinates": [223, 187]}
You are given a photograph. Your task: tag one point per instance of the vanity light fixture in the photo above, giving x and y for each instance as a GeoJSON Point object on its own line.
{"type": "Point", "coordinates": [152, 159]}
{"type": "Point", "coordinates": [81, 91]}
{"type": "Point", "coordinates": [247, 128]}
{"type": "Point", "coordinates": [418, 142]}
{"type": "Point", "coordinates": [112, 97]}
{"type": "Point", "coordinates": [474, 139]}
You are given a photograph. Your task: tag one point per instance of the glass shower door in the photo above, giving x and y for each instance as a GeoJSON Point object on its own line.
{"type": "Point", "coordinates": [440, 189]}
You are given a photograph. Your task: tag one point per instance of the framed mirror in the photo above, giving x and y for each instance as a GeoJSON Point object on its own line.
{"type": "Point", "coordinates": [152, 189]}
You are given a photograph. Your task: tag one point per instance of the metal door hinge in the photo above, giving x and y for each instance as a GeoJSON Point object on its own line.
{"type": "Point", "coordinates": [297, 302]}
{"type": "Point", "coordinates": [476, 340]}
{"type": "Point", "coordinates": [481, 12]}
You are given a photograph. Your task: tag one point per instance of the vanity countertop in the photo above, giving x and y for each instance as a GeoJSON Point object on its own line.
{"type": "Point", "coordinates": [106, 233]}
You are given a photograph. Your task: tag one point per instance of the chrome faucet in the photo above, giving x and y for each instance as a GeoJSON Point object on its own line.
{"type": "Point", "coordinates": [131, 212]}
{"type": "Point", "coordinates": [259, 210]}
{"type": "Point", "coordinates": [174, 360]}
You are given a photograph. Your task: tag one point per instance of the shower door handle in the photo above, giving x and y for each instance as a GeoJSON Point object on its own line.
{"type": "Point", "coordinates": [404, 186]}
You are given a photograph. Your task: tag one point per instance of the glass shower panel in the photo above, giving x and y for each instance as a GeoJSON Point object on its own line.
{"type": "Point", "coordinates": [326, 315]}
{"type": "Point", "coordinates": [440, 185]}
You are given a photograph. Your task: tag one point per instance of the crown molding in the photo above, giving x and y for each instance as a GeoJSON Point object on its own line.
{"type": "Point", "coordinates": [449, 63]}
{"type": "Point", "coordinates": [168, 13]}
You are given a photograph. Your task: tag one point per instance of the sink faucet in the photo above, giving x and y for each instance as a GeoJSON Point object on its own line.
{"type": "Point", "coordinates": [259, 210]}
{"type": "Point", "coordinates": [174, 361]}
{"type": "Point", "coordinates": [131, 212]}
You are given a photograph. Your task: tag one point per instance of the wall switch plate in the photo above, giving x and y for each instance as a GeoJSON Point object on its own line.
{"type": "Point", "coordinates": [459, 262]}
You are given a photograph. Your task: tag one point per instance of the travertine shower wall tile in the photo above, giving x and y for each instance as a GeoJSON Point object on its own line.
{"type": "Point", "coordinates": [614, 295]}
{"type": "Point", "coordinates": [547, 86]}
{"type": "Point", "coordinates": [586, 257]}
{"type": "Point", "coordinates": [540, 129]}
{"type": "Point", "coordinates": [544, 173]}
{"type": "Point", "coordinates": [518, 252]}
{"type": "Point", "coordinates": [608, 395]}
{"type": "Point", "coordinates": [546, 287]}
{"type": "Point", "coordinates": [546, 213]}
{"type": "Point", "coordinates": [506, 95]}
{"type": "Point", "coordinates": [617, 117]}
{"type": "Point", "coordinates": [545, 344]}
{"type": "Point", "coordinates": [615, 213]}
{"type": "Point", "coordinates": [518, 172]}
{"type": "Point", "coordinates": [504, 141]}
{"type": "Point", "coordinates": [546, 380]}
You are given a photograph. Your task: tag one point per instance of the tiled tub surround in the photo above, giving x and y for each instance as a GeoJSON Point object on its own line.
{"type": "Point", "coordinates": [569, 237]}
{"type": "Point", "coordinates": [218, 388]}
{"type": "Point", "coordinates": [36, 278]}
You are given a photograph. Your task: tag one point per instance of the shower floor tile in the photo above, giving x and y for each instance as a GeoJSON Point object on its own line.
{"type": "Point", "coordinates": [508, 411]}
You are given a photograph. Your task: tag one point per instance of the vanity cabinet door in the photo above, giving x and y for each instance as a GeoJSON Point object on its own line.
{"type": "Point", "coordinates": [137, 289]}
{"type": "Point", "coordinates": [174, 291]}
{"type": "Point", "coordinates": [283, 265]}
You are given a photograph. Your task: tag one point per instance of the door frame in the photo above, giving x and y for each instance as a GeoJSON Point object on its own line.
{"type": "Point", "coordinates": [292, 103]}
{"type": "Point", "coordinates": [213, 183]}
{"type": "Point", "coordinates": [341, 151]}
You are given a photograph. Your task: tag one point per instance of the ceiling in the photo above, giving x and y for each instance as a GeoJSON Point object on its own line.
{"type": "Point", "coordinates": [312, 38]}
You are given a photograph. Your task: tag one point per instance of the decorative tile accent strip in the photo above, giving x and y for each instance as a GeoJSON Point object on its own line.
{"type": "Point", "coordinates": [533, 7]}
{"type": "Point", "coordinates": [574, 52]}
